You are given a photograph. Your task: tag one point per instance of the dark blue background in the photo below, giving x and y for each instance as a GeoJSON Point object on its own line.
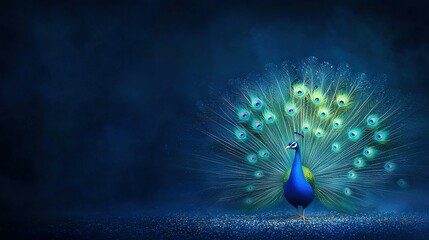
{"type": "Point", "coordinates": [98, 101]}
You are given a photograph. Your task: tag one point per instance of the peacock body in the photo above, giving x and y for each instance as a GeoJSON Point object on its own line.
{"type": "Point", "coordinates": [297, 190]}
{"type": "Point", "coordinates": [342, 130]}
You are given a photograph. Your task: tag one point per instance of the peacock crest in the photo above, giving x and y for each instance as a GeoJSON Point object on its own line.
{"type": "Point", "coordinates": [351, 147]}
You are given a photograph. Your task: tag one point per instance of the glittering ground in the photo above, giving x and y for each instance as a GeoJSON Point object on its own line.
{"type": "Point", "coordinates": [273, 225]}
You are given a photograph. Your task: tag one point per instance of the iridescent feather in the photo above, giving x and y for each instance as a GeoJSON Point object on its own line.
{"type": "Point", "coordinates": [352, 142]}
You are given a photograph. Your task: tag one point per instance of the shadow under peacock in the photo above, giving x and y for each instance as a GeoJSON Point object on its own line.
{"type": "Point", "coordinates": [349, 143]}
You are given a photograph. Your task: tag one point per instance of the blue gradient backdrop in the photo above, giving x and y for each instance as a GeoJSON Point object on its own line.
{"type": "Point", "coordinates": [98, 101]}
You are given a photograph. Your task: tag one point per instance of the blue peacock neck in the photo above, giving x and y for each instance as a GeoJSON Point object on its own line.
{"type": "Point", "coordinates": [296, 171]}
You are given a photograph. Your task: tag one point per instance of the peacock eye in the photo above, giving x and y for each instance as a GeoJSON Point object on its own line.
{"type": "Point", "coordinates": [316, 100]}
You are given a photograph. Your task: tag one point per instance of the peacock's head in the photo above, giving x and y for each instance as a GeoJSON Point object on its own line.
{"type": "Point", "coordinates": [292, 145]}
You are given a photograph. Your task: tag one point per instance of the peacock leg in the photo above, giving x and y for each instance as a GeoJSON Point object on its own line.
{"type": "Point", "coordinates": [297, 214]}
{"type": "Point", "coordinates": [304, 217]}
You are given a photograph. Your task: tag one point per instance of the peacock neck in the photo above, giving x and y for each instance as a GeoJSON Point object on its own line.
{"type": "Point", "coordinates": [296, 172]}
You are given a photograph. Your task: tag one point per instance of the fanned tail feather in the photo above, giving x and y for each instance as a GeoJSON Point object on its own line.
{"type": "Point", "coordinates": [352, 145]}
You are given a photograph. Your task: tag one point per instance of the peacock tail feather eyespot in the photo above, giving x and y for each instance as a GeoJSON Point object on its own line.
{"type": "Point", "coordinates": [343, 100]}
{"type": "Point", "coordinates": [354, 134]}
{"type": "Point", "coordinates": [258, 174]}
{"type": "Point", "coordinates": [319, 132]}
{"type": "Point", "coordinates": [317, 97]}
{"type": "Point", "coordinates": [243, 114]}
{"type": "Point", "coordinates": [251, 158]}
{"type": "Point", "coordinates": [402, 183]}
{"type": "Point", "coordinates": [269, 117]}
{"type": "Point", "coordinates": [240, 134]}
{"type": "Point", "coordinates": [389, 166]}
{"type": "Point", "coordinates": [323, 112]}
{"type": "Point", "coordinates": [359, 162]}
{"type": "Point", "coordinates": [306, 127]}
{"type": "Point", "coordinates": [347, 191]}
{"type": "Point", "coordinates": [257, 103]}
{"type": "Point", "coordinates": [381, 136]}
{"type": "Point", "coordinates": [257, 125]}
{"type": "Point", "coordinates": [373, 120]}
{"type": "Point", "coordinates": [369, 152]}
{"type": "Point", "coordinates": [337, 122]}
{"type": "Point", "coordinates": [248, 201]}
{"type": "Point", "coordinates": [336, 147]}
{"type": "Point", "coordinates": [291, 109]}
{"type": "Point", "coordinates": [352, 175]}
{"type": "Point", "coordinates": [263, 153]}
{"type": "Point", "coordinates": [250, 188]}
{"type": "Point", "coordinates": [300, 90]}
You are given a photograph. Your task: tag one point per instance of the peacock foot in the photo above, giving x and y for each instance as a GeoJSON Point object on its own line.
{"type": "Point", "coordinates": [295, 216]}
{"type": "Point", "coordinates": [304, 217]}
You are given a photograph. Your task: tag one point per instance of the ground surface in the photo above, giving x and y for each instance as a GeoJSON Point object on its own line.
{"type": "Point", "coordinates": [272, 225]}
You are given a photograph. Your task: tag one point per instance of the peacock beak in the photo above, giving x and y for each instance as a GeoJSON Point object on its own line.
{"type": "Point", "coordinates": [287, 147]}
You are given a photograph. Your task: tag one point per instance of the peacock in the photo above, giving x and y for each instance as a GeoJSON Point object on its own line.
{"type": "Point", "coordinates": [305, 132]}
